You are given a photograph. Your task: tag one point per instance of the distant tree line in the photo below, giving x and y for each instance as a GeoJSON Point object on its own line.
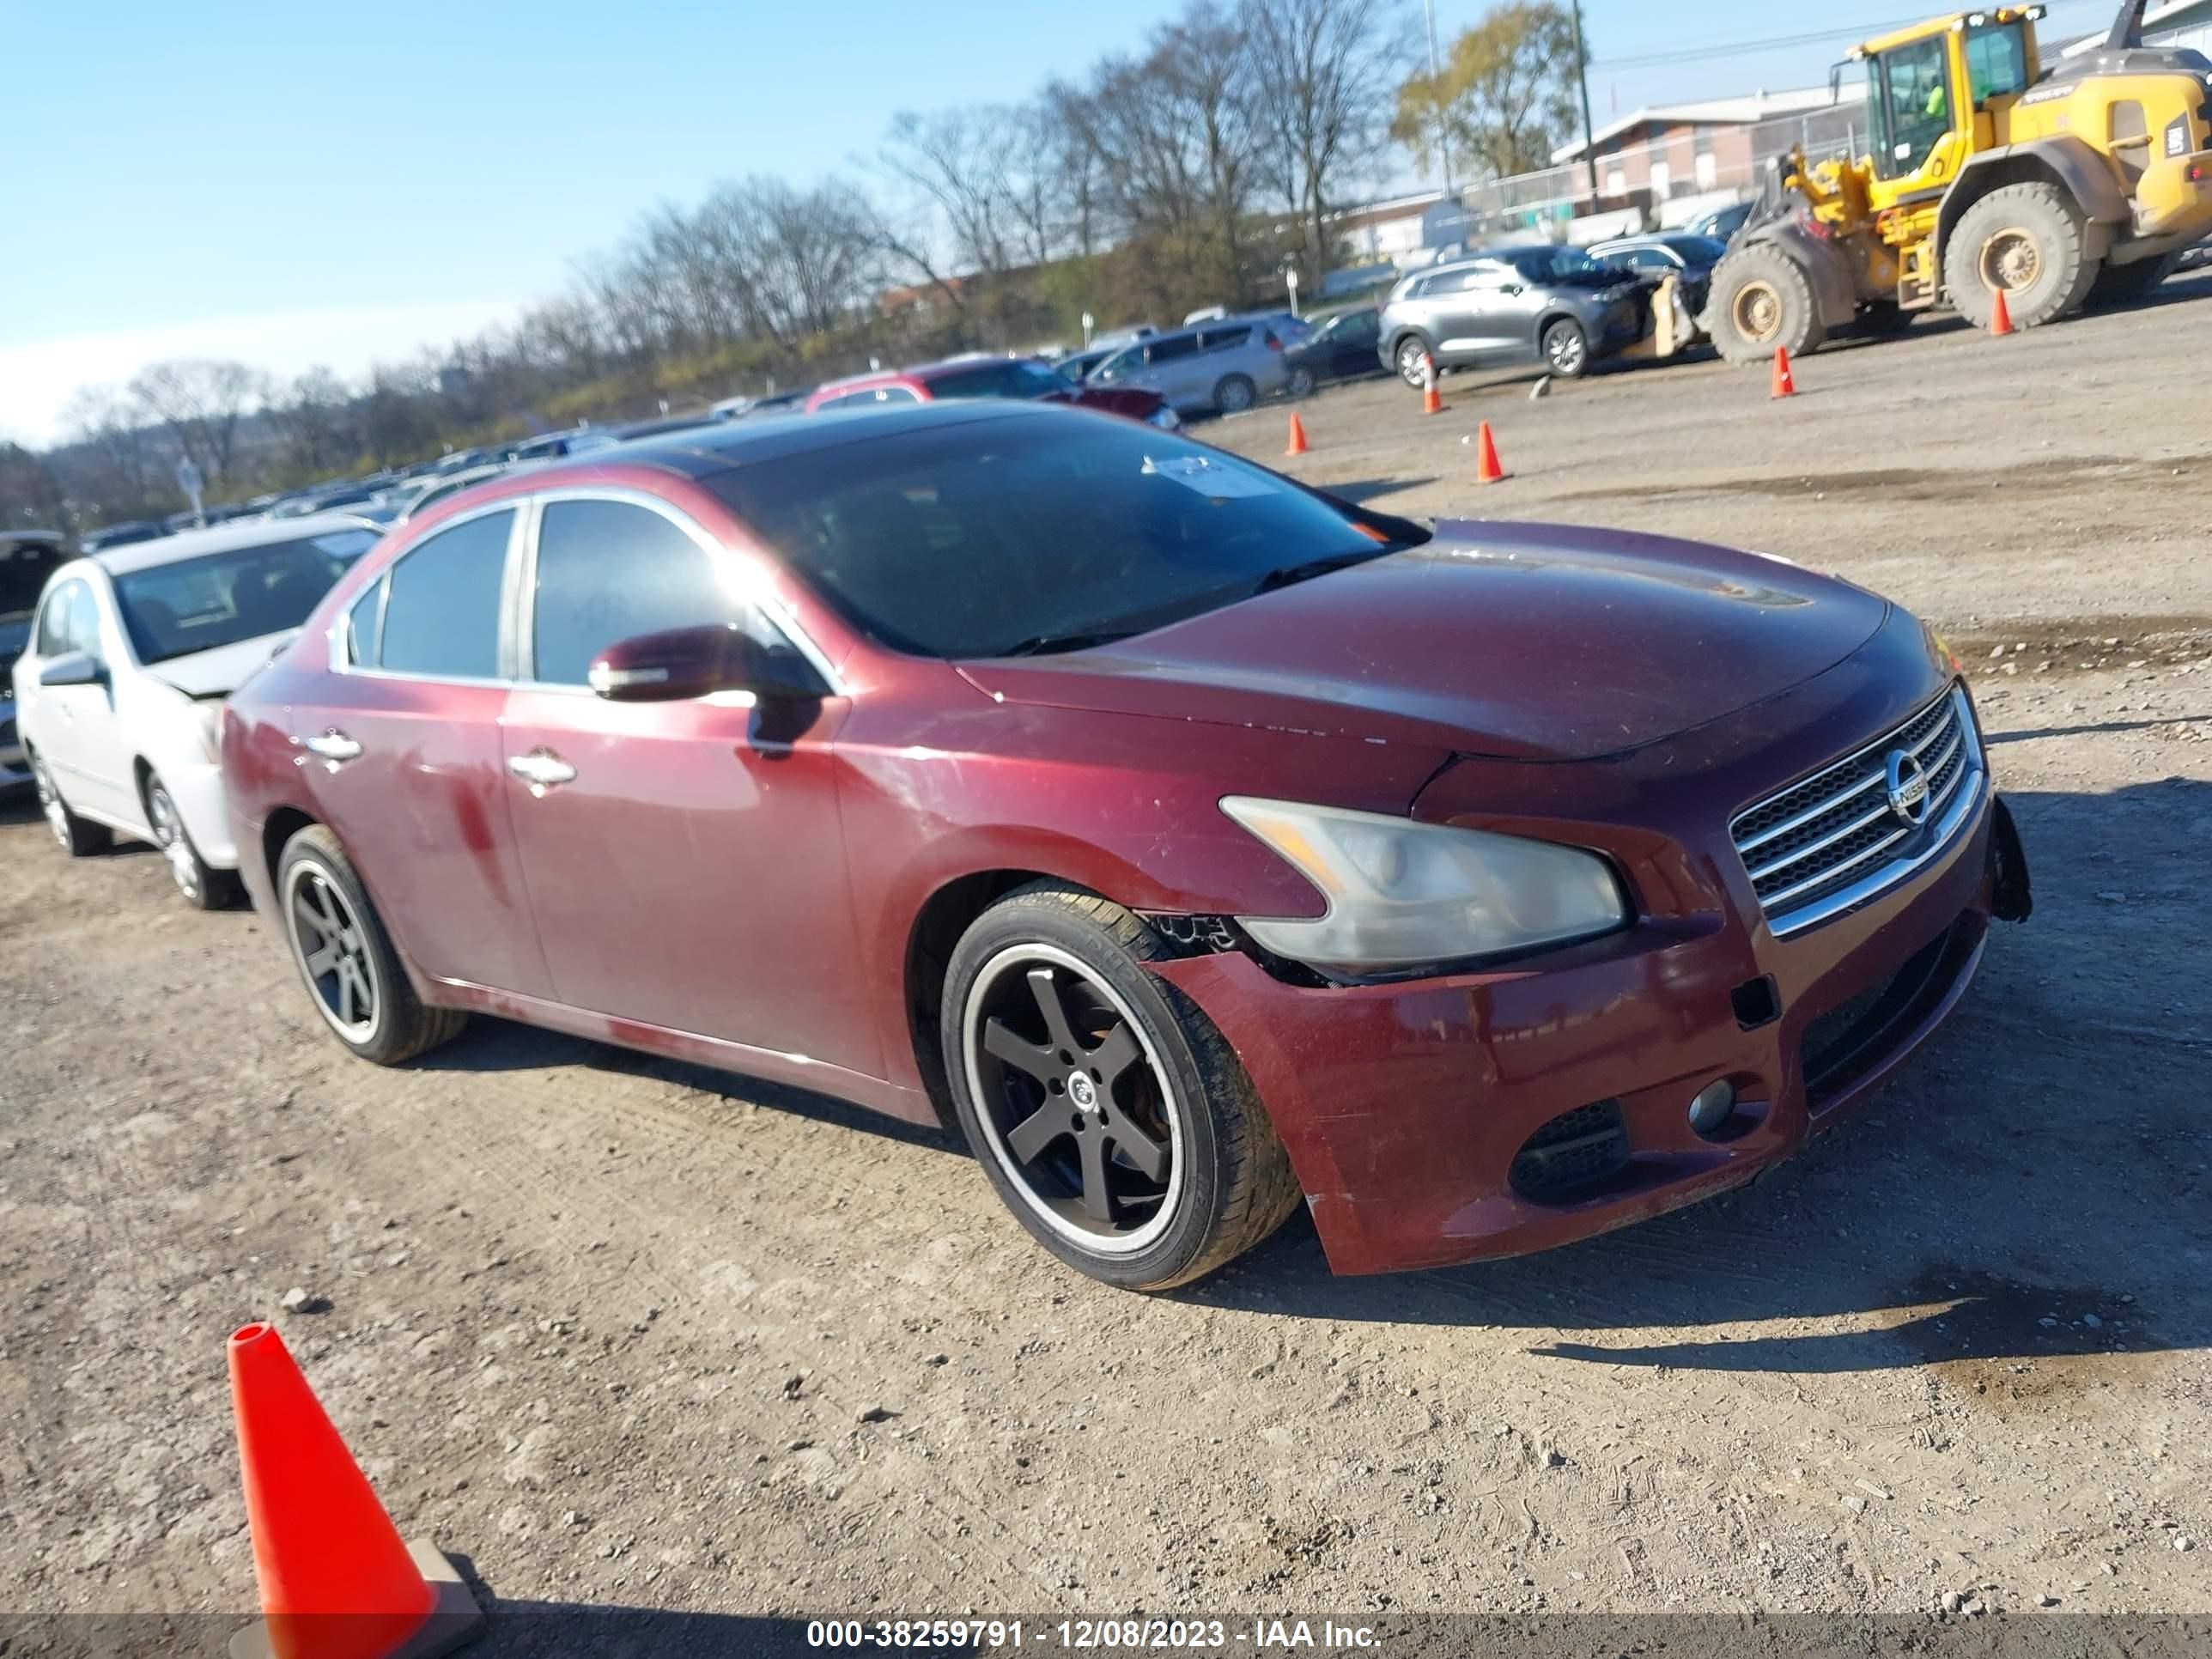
{"type": "Point", "coordinates": [1199, 169]}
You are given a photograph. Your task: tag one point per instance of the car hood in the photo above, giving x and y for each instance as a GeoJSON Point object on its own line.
{"type": "Point", "coordinates": [218, 672]}
{"type": "Point", "coordinates": [1536, 642]}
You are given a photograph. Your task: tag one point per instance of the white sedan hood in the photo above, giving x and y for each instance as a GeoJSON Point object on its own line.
{"type": "Point", "coordinates": [219, 672]}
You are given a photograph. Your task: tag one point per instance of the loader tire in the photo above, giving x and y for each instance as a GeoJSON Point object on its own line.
{"type": "Point", "coordinates": [2028, 238]}
{"type": "Point", "coordinates": [1761, 301]}
{"type": "Point", "coordinates": [2127, 285]}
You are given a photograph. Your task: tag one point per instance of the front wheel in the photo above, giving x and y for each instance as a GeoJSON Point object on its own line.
{"type": "Point", "coordinates": [1412, 358]}
{"type": "Point", "coordinates": [1302, 381]}
{"type": "Point", "coordinates": [79, 837]}
{"type": "Point", "coordinates": [2027, 239]}
{"type": "Point", "coordinates": [1108, 1113]}
{"type": "Point", "coordinates": [1761, 301]}
{"type": "Point", "coordinates": [1566, 350]}
{"type": "Point", "coordinates": [204, 886]}
{"type": "Point", "coordinates": [339, 945]}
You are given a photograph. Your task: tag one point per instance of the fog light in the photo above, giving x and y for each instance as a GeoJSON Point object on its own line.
{"type": "Point", "coordinates": [1711, 1106]}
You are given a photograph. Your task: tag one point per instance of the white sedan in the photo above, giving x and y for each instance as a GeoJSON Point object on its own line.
{"type": "Point", "coordinates": [119, 695]}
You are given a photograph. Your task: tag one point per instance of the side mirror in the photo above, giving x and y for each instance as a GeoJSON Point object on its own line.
{"type": "Point", "coordinates": [694, 662]}
{"type": "Point", "coordinates": [73, 668]}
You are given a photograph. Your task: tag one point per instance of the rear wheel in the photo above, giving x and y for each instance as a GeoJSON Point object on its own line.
{"type": "Point", "coordinates": [1106, 1110]}
{"type": "Point", "coordinates": [2027, 240]}
{"type": "Point", "coordinates": [204, 886]}
{"type": "Point", "coordinates": [2126, 285]}
{"type": "Point", "coordinates": [79, 837]}
{"type": "Point", "coordinates": [339, 945]}
{"type": "Point", "coordinates": [1762, 302]}
{"type": "Point", "coordinates": [1234, 394]}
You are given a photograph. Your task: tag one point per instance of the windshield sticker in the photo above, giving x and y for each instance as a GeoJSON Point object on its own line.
{"type": "Point", "coordinates": [1209, 478]}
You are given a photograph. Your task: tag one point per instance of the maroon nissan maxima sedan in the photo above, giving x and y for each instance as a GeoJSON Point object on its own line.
{"type": "Point", "coordinates": [1195, 840]}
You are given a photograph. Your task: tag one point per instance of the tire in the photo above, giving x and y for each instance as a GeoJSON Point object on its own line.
{"type": "Point", "coordinates": [1762, 302]}
{"type": "Point", "coordinates": [204, 887]}
{"type": "Point", "coordinates": [318, 894]}
{"type": "Point", "coordinates": [1408, 354]}
{"type": "Point", "coordinates": [1234, 394]}
{"type": "Point", "coordinates": [79, 837]}
{"type": "Point", "coordinates": [2128, 285]}
{"type": "Point", "coordinates": [1302, 381]}
{"type": "Point", "coordinates": [2029, 237]}
{"type": "Point", "coordinates": [1566, 350]}
{"type": "Point", "coordinates": [1165, 1167]}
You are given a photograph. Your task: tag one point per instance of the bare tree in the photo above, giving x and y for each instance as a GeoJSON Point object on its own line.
{"type": "Point", "coordinates": [201, 403]}
{"type": "Point", "coordinates": [1324, 72]}
{"type": "Point", "coordinates": [315, 430]}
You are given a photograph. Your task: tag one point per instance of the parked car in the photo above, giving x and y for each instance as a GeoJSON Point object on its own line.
{"type": "Point", "coordinates": [1689, 259]}
{"type": "Point", "coordinates": [28, 559]}
{"type": "Point", "coordinates": [1196, 842]}
{"type": "Point", "coordinates": [1539, 303]}
{"type": "Point", "coordinates": [554, 445]}
{"type": "Point", "coordinates": [1340, 349]}
{"type": "Point", "coordinates": [439, 488]}
{"type": "Point", "coordinates": [1077, 365]}
{"type": "Point", "coordinates": [982, 374]}
{"type": "Point", "coordinates": [1216, 369]}
{"type": "Point", "coordinates": [120, 689]}
{"type": "Point", "coordinates": [119, 535]}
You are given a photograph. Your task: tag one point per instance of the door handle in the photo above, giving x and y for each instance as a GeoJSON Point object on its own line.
{"type": "Point", "coordinates": [334, 746]}
{"type": "Point", "coordinates": [542, 769]}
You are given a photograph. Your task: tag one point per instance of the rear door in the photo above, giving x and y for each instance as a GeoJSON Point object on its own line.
{"type": "Point", "coordinates": [685, 859]}
{"type": "Point", "coordinates": [406, 763]}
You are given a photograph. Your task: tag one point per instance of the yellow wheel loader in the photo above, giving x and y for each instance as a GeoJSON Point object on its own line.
{"type": "Point", "coordinates": [2081, 183]}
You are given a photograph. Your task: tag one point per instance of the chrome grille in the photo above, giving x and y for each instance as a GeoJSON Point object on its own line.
{"type": "Point", "coordinates": [1837, 829]}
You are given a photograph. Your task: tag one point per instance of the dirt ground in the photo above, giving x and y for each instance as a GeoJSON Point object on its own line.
{"type": "Point", "coordinates": [628, 1334]}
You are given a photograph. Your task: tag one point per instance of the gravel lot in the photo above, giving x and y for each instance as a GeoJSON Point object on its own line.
{"type": "Point", "coordinates": [630, 1335]}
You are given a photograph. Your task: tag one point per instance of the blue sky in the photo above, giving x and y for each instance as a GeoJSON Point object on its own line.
{"type": "Point", "coordinates": [315, 183]}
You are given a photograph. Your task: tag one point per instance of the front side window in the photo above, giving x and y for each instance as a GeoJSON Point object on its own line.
{"type": "Point", "coordinates": [222, 599]}
{"type": "Point", "coordinates": [441, 607]}
{"type": "Point", "coordinates": [1356, 325]}
{"type": "Point", "coordinates": [1029, 534]}
{"type": "Point", "coordinates": [609, 571]}
{"type": "Point", "coordinates": [83, 623]}
{"type": "Point", "coordinates": [1555, 265]}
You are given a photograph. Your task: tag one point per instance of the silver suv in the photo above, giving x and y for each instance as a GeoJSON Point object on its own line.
{"type": "Point", "coordinates": [1223, 367]}
{"type": "Point", "coordinates": [1512, 305]}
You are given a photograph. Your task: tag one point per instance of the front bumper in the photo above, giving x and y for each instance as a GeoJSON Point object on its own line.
{"type": "Point", "coordinates": [1404, 1106]}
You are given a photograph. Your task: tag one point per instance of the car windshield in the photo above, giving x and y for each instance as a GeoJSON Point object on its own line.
{"type": "Point", "coordinates": [1034, 533]}
{"type": "Point", "coordinates": [1556, 265]}
{"type": "Point", "coordinates": [220, 598]}
{"type": "Point", "coordinates": [1009, 378]}
{"type": "Point", "coordinates": [24, 568]}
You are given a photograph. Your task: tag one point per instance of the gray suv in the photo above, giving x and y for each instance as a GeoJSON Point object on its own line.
{"type": "Point", "coordinates": [1222, 368]}
{"type": "Point", "coordinates": [1512, 305]}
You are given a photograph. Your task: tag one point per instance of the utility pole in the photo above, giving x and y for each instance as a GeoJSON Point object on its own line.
{"type": "Point", "coordinates": [1444, 127]}
{"type": "Point", "coordinates": [1582, 74]}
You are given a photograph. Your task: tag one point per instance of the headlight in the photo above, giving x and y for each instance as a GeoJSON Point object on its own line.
{"type": "Point", "coordinates": [1406, 895]}
{"type": "Point", "coordinates": [210, 714]}
{"type": "Point", "coordinates": [1165, 418]}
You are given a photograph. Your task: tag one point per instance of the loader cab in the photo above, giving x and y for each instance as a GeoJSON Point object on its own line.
{"type": "Point", "coordinates": [1931, 92]}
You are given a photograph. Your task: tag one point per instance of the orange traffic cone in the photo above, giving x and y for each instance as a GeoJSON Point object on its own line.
{"type": "Point", "coordinates": [1999, 315]}
{"type": "Point", "coordinates": [1486, 469]}
{"type": "Point", "coordinates": [337, 1583]}
{"type": "Point", "coordinates": [1784, 384]}
{"type": "Point", "coordinates": [1297, 446]}
{"type": "Point", "coordinates": [1432, 401]}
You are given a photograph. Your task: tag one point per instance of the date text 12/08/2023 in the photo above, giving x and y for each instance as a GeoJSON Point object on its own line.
{"type": "Point", "coordinates": [990, 1635]}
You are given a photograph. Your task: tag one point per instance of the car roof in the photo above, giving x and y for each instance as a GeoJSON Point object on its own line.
{"type": "Point", "coordinates": [223, 539]}
{"type": "Point", "coordinates": [705, 451]}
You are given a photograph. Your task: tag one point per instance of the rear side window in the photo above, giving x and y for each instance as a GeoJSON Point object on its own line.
{"type": "Point", "coordinates": [1174, 346]}
{"type": "Point", "coordinates": [1223, 339]}
{"type": "Point", "coordinates": [441, 614]}
{"type": "Point", "coordinates": [609, 571]}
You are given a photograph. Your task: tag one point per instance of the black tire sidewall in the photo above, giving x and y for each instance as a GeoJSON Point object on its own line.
{"type": "Point", "coordinates": [2061, 284]}
{"type": "Point", "coordinates": [1202, 1171]}
{"type": "Point", "coordinates": [1763, 262]}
